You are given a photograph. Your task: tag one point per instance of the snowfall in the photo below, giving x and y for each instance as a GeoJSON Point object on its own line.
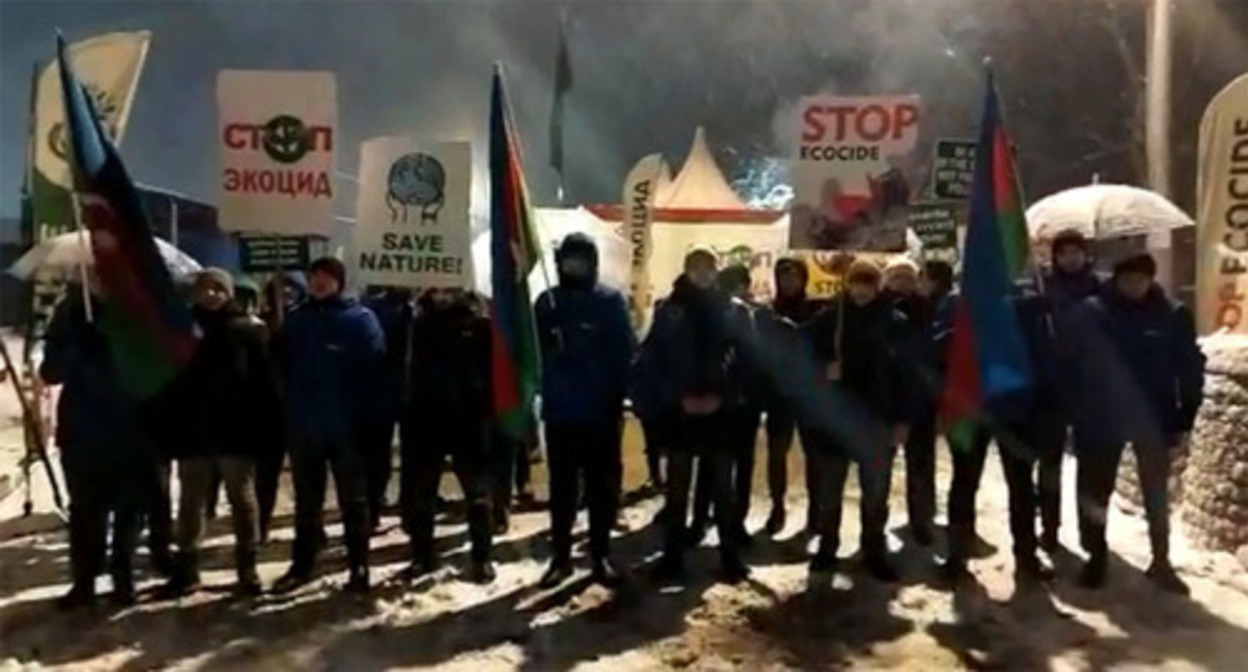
{"type": "Point", "coordinates": [778, 620]}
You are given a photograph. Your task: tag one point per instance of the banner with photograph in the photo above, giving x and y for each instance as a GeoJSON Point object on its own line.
{"type": "Point", "coordinates": [413, 227]}
{"type": "Point", "coordinates": [851, 173]}
{"type": "Point", "coordinates": [1222, 214]}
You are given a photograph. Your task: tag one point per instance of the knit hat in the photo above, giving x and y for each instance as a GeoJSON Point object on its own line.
{"type": "Point", "coordinates": [863, 270]}
{"type": "Point", "coordinates": [332, 267]}
{"type": "Point", "coordinates": [1068, 238]}
{"type": "Point", "coordinates": [219, 277]}
{"type": "Point", "coordinates": [901, 265]}
{"type": "Point", "coordinates": [1137, 262]}
{"type": "Point", "coordinates": [703, 252]}
{"type": "Point", "coordinates": [734, 276]}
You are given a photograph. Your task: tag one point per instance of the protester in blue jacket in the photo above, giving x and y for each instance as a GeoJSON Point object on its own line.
{"type": "Point", "coordinates": [98, 435]}
{"type": "Point", "coordinates": [691, 366]}
{"type": "Point", "coordinates": [332, 349]}
{"type": "Point", "coordinates": [1134, 374]}
{"type": "Point", "coordinates": [587, 346]}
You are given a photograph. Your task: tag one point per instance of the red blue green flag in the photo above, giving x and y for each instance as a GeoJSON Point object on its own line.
{"type": "Point", "coordinates": [148, 326]}
{"type": "Point", "coordinates": [515, 362]}
{"type": "Point", "coordinates": [988, 356]}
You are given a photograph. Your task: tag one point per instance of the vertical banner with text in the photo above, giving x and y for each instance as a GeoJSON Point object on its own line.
{"type": "Point", "coordinates": [412, 219]}
{"type": "Point", "coordinates": [276, 133]}
{"type": "Point", "coordinates": [1222, 213]}
{"type": "Point", "coordinates": [639, 192]}
{"type": "Point", "coordinates": [850, 173]}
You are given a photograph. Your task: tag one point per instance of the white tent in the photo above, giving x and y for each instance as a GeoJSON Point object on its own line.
{"type": "Point", "coordinates": [553, 225]}
{"type": "Point", "coordinates": [700, 184]}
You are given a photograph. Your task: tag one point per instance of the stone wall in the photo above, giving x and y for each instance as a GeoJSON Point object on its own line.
{"type": "Point", "coordinates": [1216, 480]}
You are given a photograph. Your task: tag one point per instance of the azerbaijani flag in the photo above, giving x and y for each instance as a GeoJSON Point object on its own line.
{"type": "Point", "coordinates": [988, 356]}
{"type": "Point", "coordinates": [513, 254]}
{"type": "Point", "coordinates": [149, 329]}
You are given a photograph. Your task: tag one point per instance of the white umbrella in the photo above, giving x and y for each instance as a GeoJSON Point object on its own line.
{"type": "Point", "coordinates": [1103, 211]}
{"type": "Point", "coordinates": [61, 258]}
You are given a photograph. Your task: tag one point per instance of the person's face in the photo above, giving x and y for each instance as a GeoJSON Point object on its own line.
{"type": "Point", "coordinates": [790, 282]}
{"type": "Point", "coordinates": [575, 267]}
{"type": "Point", "coordinates": [1071, 259]}
{"type": "Point", "coordinates": [443, 297]}
{"type": "Point", "coordinates": [322, 285]}
{"type": "Point", "coordinates": [903, 283]}
{"type": "Point", "coordinates": [1134, 286]}
{"type": "Point", "coordinates": [862, 292]}
{"type": "Point", "coordinates": [209, 294]}
{"type": "Point", "coordinates": [702, 271]}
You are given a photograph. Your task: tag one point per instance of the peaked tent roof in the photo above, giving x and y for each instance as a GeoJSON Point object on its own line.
{"type": "Point", "coordinates": [700, 184]}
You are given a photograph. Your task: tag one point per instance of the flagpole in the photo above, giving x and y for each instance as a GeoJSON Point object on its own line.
{"type": "Point", "coordinates": [76, 206]}
{"type": "Point", "coordinates": [173, 221]}
{"type": "Point", "coordinates": [510, 123]}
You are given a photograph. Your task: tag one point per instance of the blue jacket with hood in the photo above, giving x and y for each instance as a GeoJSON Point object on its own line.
{"type": "Point", "coordinates": [331, 358]}
{"type": "Point", "coordinates": [587, 343]}
{"type": "Point", "coordinates": [1132, 369]}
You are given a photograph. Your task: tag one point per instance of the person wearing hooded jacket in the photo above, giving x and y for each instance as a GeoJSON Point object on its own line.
{"type": "Point", "coordinates": [902, 292]}
{"type": "Point", "coordinates": [332, 350]}
{"type": "Point", "coordinates": [393, 307]}
{"type": "Point", "coordinates": [214, 418]}
{"type": "Point", "coordinates": [690, 367]}
{"type": "Point", "coordinates": [98, 433]}
{"type": "Point", "coordinates": [743, 416]}
{"type": "Point", "coordinates": [1070, 280]}
{"type": "Point", "coordinates": [587, 345]}
{"type": "Point", "coordinates": [448, 412]}
{"type": "Point", "coordinates": [783, 356]}
{"type": "Point", "coordinates": [1134, 374]}
{"type": "Point", "coordinates": [292, 293]}
{"type": "Point", "coordinates": [863, 415]}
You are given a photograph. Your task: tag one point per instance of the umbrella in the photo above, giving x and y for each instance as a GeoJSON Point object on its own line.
{"type": "Point", "coordinates": [60, 258]}
{"type": "Point", "coordinates": [1103, 211]}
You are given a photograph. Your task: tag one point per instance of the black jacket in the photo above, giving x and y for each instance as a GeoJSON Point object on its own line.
{"type": "Point", "coordinates": [226, 401]}
{"type": "Point", "coordinates": [449, 377]}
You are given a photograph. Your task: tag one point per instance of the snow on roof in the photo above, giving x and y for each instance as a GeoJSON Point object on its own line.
{"type": "Point", "coordinates": [700, 184]}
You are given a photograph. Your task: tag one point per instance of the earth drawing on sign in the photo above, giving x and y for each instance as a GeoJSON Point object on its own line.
{"type": "Point", "coordinates": [416, 181]}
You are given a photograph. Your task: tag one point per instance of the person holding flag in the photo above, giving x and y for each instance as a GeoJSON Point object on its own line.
{"type": "Point", "coordinates": [999, 340]}
{"type": "Point", "coordinates": [113, 349]}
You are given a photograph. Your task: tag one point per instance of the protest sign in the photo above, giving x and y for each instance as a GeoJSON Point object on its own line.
{"type": "Point", "coordinates": [953, 169]}
{"type": "Point", "coordinates": [412, 222]}
{"type": "Point", "coordinates": [850, 173]}
{"type": "Point", "coordinates": [267, 254]}
{"type": "Point", "coordinates": [1222, 214]}
{"type": "Point", "coordinates": [936, 224]}
{"type": "Point", "coordinates": [276, 135]}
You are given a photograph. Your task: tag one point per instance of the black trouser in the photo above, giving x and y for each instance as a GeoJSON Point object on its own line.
{"type": "Point", "coordinates": [1097, 473]}
{"type": "Point", "coordinates": [157, 504]}
{"type": "Point", "coordinates": [660, 434]}
{"type": "Point", "coordinates": [781, 428]}
{"type": "Point", "coordinates": [102, 491]}
{"type": "Point", "coordinates": [507, 454]}
{"type": "Point", "coordinates": [814, 511]}
{"type": "Point", "coordinates": [1051, 449]}
{"type": "Point", "coordinates": [703, 437]}
{"type": "Point", "coordinates": [378, 445]}
{"type": "Point", "coordinates": [830, 467]}
{"type": "Point", "coordinates": [311, 464]}
{"type": "Point", "coordinates": [268, 483]}
{"type": "Point", "coordinates": [1020, 451]}
{"type": "Point", "coordinates": [586, 454]}
{"type": "Point", "coordinates": [741, 434]}
{"type": "Point", "coordinates": [920, 454]}
{"type": "Point", "coordinates": [424, 450]}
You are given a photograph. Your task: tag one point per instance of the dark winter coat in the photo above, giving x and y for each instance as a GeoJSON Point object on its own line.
{"type": "Point", "coordinates": [875, 346]}
{"type": "Point", "coordinates": [783, 351]}
{"type": "Point", "coordinates": [1040, 402]}
{"type": "Point", "coordinates": [1064, 291]}
{"type": "Point", "coordinates": [693, 348]}
{"type": "Point", "coordinates": [394, 315]}
{"type": "Point", "coordinates": [1133, 370]}
{"type": "Point", "coordinates": [226, 401]}
{"type": "Point", "coordinates": [94, 414]}
{"type": "Point", "coordinates": [332, 352]}
{"type": "Point", "coordinates": [449, 379]}
{"type": "Point", "coordinates": [587, 347]}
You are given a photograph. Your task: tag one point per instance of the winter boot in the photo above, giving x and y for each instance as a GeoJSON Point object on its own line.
{"type": "Point", "coordinates": [1092, 576]}
{"type": "Point", "coordinates": [560, 570]}
{"type": "Point", "coordinates": [1163, 575]}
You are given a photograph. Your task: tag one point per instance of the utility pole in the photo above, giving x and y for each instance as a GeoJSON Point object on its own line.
{"type": "Point", "coordinates": [1158, 103]}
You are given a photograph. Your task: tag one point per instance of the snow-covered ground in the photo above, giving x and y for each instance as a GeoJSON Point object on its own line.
{"type": "Point", "coordinates": [776, 621]}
